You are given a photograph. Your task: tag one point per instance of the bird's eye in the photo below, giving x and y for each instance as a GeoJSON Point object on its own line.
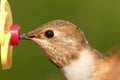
{"type": "Point", "coordinates": [49, 33]}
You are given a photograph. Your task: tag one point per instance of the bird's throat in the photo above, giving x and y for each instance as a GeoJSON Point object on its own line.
{"type": "Point", "coordinates": [82, 68]}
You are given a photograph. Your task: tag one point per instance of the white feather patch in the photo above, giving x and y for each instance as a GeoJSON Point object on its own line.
{"type": "Point", "coordinates": [81, 69]}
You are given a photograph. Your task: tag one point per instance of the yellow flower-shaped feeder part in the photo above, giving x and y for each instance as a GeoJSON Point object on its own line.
{"type": "Point", "coordinates": [7, 34]}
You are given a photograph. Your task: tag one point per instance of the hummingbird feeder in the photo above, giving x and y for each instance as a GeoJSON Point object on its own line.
{"type": "Point", "coordinates": [9, 34]}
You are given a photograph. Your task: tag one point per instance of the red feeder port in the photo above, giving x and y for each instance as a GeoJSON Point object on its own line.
{"type": "Point", "coordinates": [15, 33]}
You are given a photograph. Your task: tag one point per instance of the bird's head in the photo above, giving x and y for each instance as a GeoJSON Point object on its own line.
{"type": "Point", "coordinates": [60, 40]}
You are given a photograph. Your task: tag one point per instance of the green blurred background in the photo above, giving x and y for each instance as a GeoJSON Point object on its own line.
{"type": "Point", "coordinates": [99, 19]}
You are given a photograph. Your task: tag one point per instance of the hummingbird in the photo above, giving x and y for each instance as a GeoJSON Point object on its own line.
{"type": "Point", "coordinates": [66, 46]}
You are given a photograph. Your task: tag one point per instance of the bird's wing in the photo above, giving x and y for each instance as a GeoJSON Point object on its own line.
{"type": "Point", "coordinates": [115, 50]}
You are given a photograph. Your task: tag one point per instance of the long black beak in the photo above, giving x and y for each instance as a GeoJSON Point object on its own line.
{"type": "Point", "coordinates": [24, 37]}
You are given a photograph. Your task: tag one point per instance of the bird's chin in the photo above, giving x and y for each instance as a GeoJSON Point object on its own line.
{"type": "Point", "coordinates": [35, 40]}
